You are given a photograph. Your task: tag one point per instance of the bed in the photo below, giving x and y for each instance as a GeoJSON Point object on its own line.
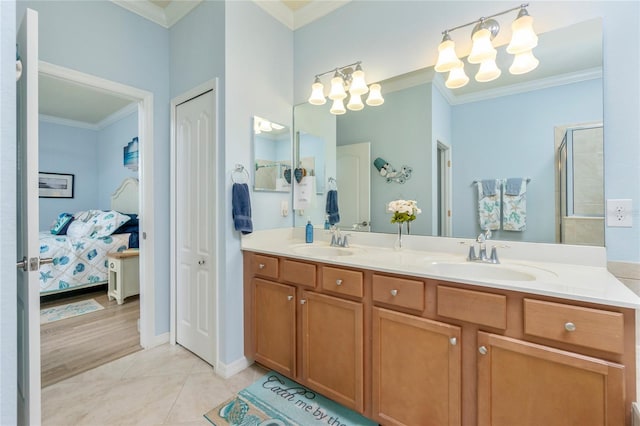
{"type": "Point", "coordinates": [80, 246]}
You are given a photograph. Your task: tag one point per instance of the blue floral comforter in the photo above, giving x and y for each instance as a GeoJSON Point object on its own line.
{"type": "Point", "coordinates": [76, 261]}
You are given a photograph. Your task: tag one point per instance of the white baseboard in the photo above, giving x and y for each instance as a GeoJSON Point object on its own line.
{"type": "Point", "coordinates": [158, 340]}
{"type": "Point", "coordinates": [227, 370]}
{"type": "Point", "coordinates": [635, 414]}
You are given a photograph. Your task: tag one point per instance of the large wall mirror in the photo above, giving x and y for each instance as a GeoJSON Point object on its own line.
{"type": "Point", "coordinates": [508, 128]}
{"type": "Point", "coordinates": [271, 156]}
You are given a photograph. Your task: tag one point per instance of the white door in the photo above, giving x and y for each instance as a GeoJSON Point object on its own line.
{"type": "Point", "coordinates": [28, 250]}
{"type": "Point", "coordinates": [354, 185]}
{"type": "Point", "coordinates": [195, 225]}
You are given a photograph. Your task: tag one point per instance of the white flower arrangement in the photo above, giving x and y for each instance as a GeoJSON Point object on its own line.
{"type": "Point", "coordinates": [403, 210]}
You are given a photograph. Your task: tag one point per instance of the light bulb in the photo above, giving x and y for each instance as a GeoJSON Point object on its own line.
{"type": "Point", "coordinates": [457, 78]}
{"type": "Point", "coordinates": [375, 95]}
{"type": "Point", "coordinates": [355, 102]}
{"type": "Point", "coordinates": [358, 84]}
{"type": "Point", "coordinates": [482, 48]}
{"type": "Point", "coordinates": [488, 71]}
{"type": "Point", "coordinates": [447, 58]}
{"type": "Point", "coordinates": [523, 38]}
{"type": "Point", "coordinates": [523, 63]}
{"type": "Point", "coordinates": [317, 93]}
{"type": "Point", "coordinates": [265, 126]}
{"type": "Point", "coordinates": [337, 88]}
{"type": "Point", "coordinates": [338, 107]}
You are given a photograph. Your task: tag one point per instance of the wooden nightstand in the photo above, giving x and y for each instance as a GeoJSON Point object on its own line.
{"type": "Point", "coordinates": [124, 275]}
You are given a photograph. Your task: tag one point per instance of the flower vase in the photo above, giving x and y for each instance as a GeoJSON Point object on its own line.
{"type": "Point", "coordinates": [408, 227]}
{"type": "Point", "coordinates": [398, 243]}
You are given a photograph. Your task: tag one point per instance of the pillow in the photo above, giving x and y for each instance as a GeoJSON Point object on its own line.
{"type": "Point", "coordinates": [80, 229]}
{"type": "Point", "coordinates": [61, 224]}
{"type": "Point", "coordinates": [107, 222]}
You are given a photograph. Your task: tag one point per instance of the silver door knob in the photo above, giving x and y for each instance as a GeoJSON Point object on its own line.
{"type": "Point", "coordinates": [483, 350]}
{"type": "Point", "coordinates": [394, 292]}
{"type": "Point", "coordinates": [46, 260]}
{"type": "Point", "coordinates": [453, 341]}
{"type": "Point", "coordinates": [289, 297]}
{"type": "Point", "coordinates": [338, 282]}
{"type": "Point", "coordinates": [569, 326]}
{"type": "Point", "coordinates": [33, 264]}
{"type": "Point", "coordinates": [200, 262]}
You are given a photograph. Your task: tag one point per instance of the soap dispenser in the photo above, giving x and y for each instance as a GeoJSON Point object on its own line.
{"type": "Point", "coordinates": [309, 232]}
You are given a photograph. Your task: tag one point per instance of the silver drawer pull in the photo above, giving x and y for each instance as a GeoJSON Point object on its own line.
{"type": "Point", "coordinates": [394, 292]}
{"type": "Point", "coordinates": [483, 350]}
{"type": "Point", "coordinates": [338, 282]}
{"type": "Point", "coordinates": [261, 266]}
{"type": "Point", "coordinates": [303, 301]}
{"type": "Point", "coordinates": [569, 326]}
{"type": "Point", "coordinates": [453, 341]}
{"type": "Point", "coordinates": [289, 297]}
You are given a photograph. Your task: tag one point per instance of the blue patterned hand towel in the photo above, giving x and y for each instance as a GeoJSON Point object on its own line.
{"type": "Point", "coordinates": [332, 207]}
{"type": "Point", "coordinates": [241, 208]}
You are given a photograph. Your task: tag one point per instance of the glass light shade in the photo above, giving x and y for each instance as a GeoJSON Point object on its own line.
{"type": "Point", "coordinates": [358, 84]}
{"type": "Point", "coordinates": [265, 126]}
{"type": "Point", "coordinates": [482, 48]}
{"type": "Point", "coordinates": [337, 89]}
{"type": "Point", "coordinates": [447, 58]}
{"type": "Point", "coordinates": [355, 102]}
{"type": "Point", "coordinates": [523, 63]}
{"type": "Point", "coordinates": [523, 38]}
{"type": "Point", "coordinates": [317, 94]}
{"type": "Point", "coordinates": [488, 71]}
{"type": "Point", "coordinates": [338, 107]}
{"type": "Point", "coordinates": [457, 78]}
{"type": "Point", "coordinates": [375, 95]}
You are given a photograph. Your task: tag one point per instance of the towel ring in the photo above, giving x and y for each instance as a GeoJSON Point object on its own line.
{"type": "Point", "coordinates": [239, 170]}
{"type": "Point", "coordinates": [333, 184]}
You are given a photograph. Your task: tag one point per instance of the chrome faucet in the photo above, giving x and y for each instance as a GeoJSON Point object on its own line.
{"type": "Point", "coordinates": [482, 250]}
{"type": "Point", "coordinates": [337, 239]}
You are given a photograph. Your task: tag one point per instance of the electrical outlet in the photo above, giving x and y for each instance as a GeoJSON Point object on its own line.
{"type": "Point", "coordinates": [619, 213]}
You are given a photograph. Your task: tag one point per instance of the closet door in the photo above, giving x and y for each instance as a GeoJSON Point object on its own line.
{"type": "Point", "coordinates": [195, 225]}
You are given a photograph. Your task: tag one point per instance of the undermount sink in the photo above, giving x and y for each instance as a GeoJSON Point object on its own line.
{"type": "Point", "coordinates": [312, 250]}
{"type": "Point", "coordinates": [481, 271]}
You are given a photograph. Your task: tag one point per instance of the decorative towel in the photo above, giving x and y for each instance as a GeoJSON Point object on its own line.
{"type": "Point", "coordinates": [515, 205]}
{"type": "Point", "coordinates": [241, 208]}
{"type": "Point", "coordinates": [489, 205]}
{"type": "Point", "coordinates": [332, 207]}
{"type": "Point", "coordinates": [303, 193]}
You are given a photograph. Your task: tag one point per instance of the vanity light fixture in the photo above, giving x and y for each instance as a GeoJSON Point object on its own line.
{"type": "Point", "coordinates": [523, 40]}
{"type": "Point", "coordinates": [262, 125]}
{"type": "Point", "coordinates": [348, 81]}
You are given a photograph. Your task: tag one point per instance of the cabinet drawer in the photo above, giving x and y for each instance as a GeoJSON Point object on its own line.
{"type": "Point", "coordinates": [398, 292]}
{"type": "Point", "coordinates": [591, 328]}
{"type": "Point", "coordinates": [342, 281]}
{"type": "Point", "coordinates": [295, 272]}
{"type": "Point", "coordinates": [265, 266]}
{"type": "Point", "coordinates": [473, 306]}
{"type": "Point", "coordinates": [114, 265]}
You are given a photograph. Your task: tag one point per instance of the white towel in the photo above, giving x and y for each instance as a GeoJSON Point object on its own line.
{"type": "Point", "coordinates": [515, 209]}
{"type": "Point", "coordinates": [489, 207]}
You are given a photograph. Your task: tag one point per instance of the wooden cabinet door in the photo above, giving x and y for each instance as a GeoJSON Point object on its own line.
{"type": "Point", "coordinates": [332, 343]}
{"type": "Point", "coordinates": [416, 370]}
{"type": "Point", "coordinates": [521, 383]}
{"type": "Point", "coordinates": [274, 326]}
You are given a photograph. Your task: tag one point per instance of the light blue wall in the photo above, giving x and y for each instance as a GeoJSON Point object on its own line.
{"type": "Point", "coordinates": [8, 329]}
{"type": "Point", "coordinates": [69, 150]}
{"type": "Point", "coordinates": [519, 148]}
{"type": "Point", "coordinates": [259, 72]}
{"type": "Point", "coordinates": [111, 172]}
{"type": "Point", "coordinates": [105, 40]}
{"type": "Point", "coordinates": [405, 36]}
{"type": "Point", "coordinates": [401, 136]}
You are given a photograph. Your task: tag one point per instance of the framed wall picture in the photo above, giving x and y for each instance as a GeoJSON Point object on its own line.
{"type": "Point", "coordinates": [55, 185]}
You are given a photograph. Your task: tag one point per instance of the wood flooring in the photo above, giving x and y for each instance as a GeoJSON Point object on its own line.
{"type": "Point", "coordinates": [74, 345]}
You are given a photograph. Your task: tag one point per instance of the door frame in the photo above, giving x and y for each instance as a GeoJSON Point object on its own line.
{"type": "Point", "coordinates": [211, 85]}
{"type": "Point", "coordinates": [444, 201]}
{"type": "Point", "coordinates": [147, 219]}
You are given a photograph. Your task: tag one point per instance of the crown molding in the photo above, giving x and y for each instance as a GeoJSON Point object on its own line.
{"type": "Point", "coordinates": [278, 10]}
{"type": "Point", "coordinates": [106, 122]}
{"type": "Point", "coordinates": [118, 115]}
{"type": "Point", "coordinates": [166, 17]}
{"type": "Point", "coordinates": [303, 16]}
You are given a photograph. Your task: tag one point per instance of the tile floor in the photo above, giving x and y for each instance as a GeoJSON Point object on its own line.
{"type": "Point", "coordinates": [166, 385]}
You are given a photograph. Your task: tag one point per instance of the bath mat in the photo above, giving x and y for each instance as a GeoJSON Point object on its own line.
{"type": "Point", "coordinates": [69, 310]}
{"type": "Point", "coordinates": [274, 400]}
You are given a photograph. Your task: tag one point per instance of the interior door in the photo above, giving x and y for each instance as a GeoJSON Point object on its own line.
{"type": "Point", "coordinates": [195, 225]}
{"type": "Point", "coordinates": [354, 185]}
{"type": "Point", "coordinates": [28, 250]}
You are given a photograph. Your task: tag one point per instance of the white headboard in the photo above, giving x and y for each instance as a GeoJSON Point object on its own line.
{"type": "Point", "coordinates": [126, 198]}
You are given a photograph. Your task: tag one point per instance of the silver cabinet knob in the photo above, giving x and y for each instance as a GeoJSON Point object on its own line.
{"type": "Point", "coordinates": [569, 326]}
{"type": "Point", "coordinates": [394, 292]}
{"type": "Point", "coordinates": [289, 297]}
{"type": "Point", "coordinates": [200, 262]}
{"type": "Point", "coordinates": [483, 350]}
{"type": "Point", "coordinates": [338, 282]}
{"type": "Point", "coordinates": [261, 266]}
{"type": "Point", "coordinates": [303, 301]}
{"type": "Point", "coordinates": [453, 341]}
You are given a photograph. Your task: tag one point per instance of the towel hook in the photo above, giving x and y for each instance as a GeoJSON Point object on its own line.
{"type": "Point", "coordinates": [333, 184]}
{"type": "Point", "coordinates": [239, 169]}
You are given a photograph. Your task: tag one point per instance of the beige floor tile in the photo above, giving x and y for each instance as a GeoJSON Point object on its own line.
{"type": "Point", "coordinates": [245, 377]}
{"type": "Point", "coordinates": [162, 360]}
{"type": "Point", "coordinates": [201, 393]}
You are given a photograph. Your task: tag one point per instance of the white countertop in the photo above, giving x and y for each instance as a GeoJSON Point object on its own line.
{"type": "Point", "coordinates": [568, 272]}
